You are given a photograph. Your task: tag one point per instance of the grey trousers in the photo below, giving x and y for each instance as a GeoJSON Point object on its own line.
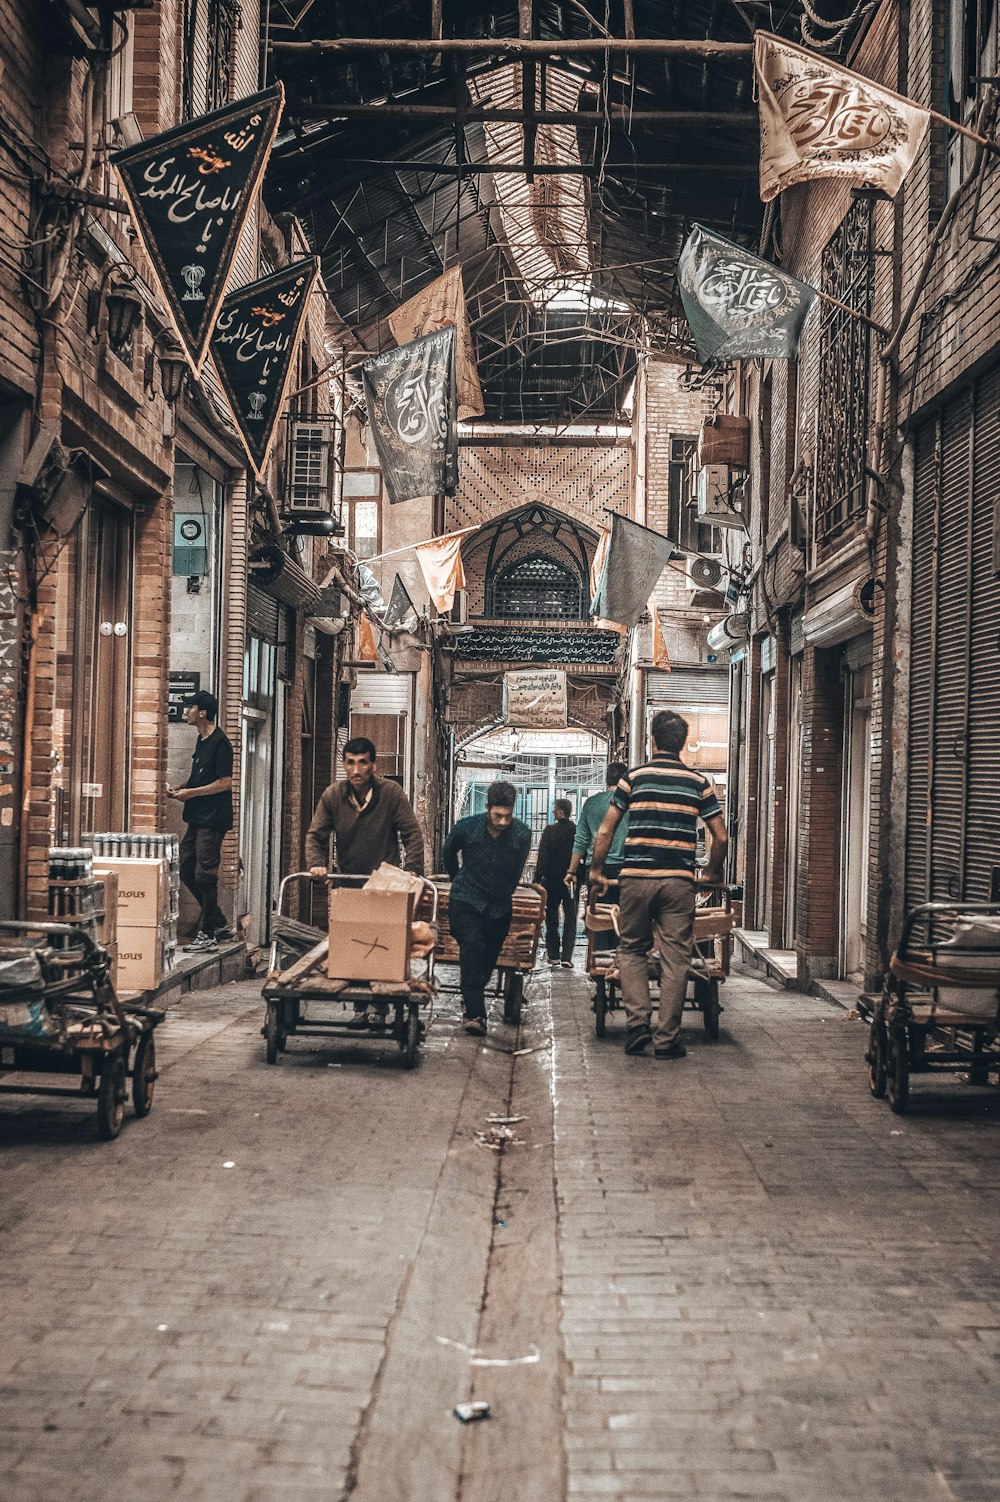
{"type": "Point", "coordinates": [656, 912]}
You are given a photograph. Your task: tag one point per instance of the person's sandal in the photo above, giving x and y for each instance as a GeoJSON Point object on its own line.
{"type": "Point", "coordinates": [638, 1039]}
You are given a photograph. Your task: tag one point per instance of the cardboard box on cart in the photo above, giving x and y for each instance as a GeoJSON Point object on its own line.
{"type": "Point", "coordinates": [370, 935]}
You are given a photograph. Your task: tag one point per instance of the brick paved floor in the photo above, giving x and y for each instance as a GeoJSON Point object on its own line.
{"type": "Point", "coordinates": [733, 1275]}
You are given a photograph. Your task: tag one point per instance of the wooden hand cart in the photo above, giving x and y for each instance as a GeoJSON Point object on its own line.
{"type": "Point", "coordinates": [520, 949]}
{"type": "Point", "coordinates": [717, 914]}
{"type": "Point", "coordinates": [301, 1000]}
{"type": "Point", "coordinates": [74, 1024]}
{"type": "Point", "coordinates": [939, 1009]}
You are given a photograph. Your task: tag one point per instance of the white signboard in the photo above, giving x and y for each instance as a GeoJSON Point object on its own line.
{"type": "Point", "coordinates": [535, 699]}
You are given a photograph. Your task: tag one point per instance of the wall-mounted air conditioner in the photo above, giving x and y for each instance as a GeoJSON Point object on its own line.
{"type": "Point", "coordinates": [459, 614]}
{"type": "Point", "coordinates": [705, 573]}
{"type": "Point", "coordinates": [721, 496]}
{"type": "Point", "coordinates": [311, 467]}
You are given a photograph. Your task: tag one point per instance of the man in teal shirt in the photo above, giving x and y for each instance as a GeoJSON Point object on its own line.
{"type": "Point", "coordinates": [591, 817]}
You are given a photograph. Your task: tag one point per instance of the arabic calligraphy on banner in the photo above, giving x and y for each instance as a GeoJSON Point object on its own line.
{"type": "Point", "coordinates": [535, 699]}
{"type": "Point", "coordinates": [819, 120]}
{"type": "Point", "coordinates": [411, 401]}
{"type": "Point", "coordinates": [190, 191]}
{"type": "Point", "coordinates": [739, 307]}
{"type": "Point", "coordinates": [253, 347]}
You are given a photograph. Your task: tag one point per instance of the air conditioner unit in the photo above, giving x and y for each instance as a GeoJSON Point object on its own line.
{"type": "Point", "coordinates": [311, 468]}
{"type": "Point", "coordinates": [720, 497]}
{"type": "Point", "coordinates": [704, 573]}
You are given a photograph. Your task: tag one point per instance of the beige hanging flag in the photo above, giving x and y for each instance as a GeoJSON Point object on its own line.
{"type": "Point", "coordinates": [818, 120]}
{"type": "Point", "coordinates": [441, 565]}
{"type": "Point", "coordinates": [365, 644]}
{"type": "Point", "coordinates": [439, 306]}
{"type": "Point", "coordinates": [659, 654]}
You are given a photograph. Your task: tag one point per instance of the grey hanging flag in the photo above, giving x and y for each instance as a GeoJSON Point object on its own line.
{"type": "Point", "coordinates": [635, 559]}
{"type": "Point", "coordinates": [412, 407]}
{"type": "Point", "coordinates": [401, 607]}
{"type": "Point", "coordinates": [739, 307]}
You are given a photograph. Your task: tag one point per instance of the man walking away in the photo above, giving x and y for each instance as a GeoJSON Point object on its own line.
{"type": "Point", "coordinates": [494, 847]}
{"type": "Point", "coordinates": [664, 801]}
{"type": "Point", "coordinates": [591, 816]}
{"type": "Point", "coordinates": [368, 817]}
{"type": "Point", "coordinates": [208, 814]}
{"type": "Point", "coordinates": [554, 851]}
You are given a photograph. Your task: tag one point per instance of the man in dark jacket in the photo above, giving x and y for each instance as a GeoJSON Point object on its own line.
{"type": "Point", "coordinates": [494, 847]}
{"type": "Point", "coordinates": [208, 813]}
{"type": "Point", "coordinates": [555, 850]}
{"type": "Point", "coordinates": [368, 817]}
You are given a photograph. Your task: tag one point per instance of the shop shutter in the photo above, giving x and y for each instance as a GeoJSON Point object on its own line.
{"type": "Point", "coordinates": [951, 686]}
{"type": "Point", "coordinates": [982, 854]}
{"type": "Point", "coordinates": [262, 615]}
{"type": "Point", "coordinates": [691, 686]}
{"type": "Point", "coordinates": [927, 468]}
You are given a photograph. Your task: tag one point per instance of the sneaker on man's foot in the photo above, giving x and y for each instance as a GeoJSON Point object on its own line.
{"type": "Point", "coordinates": [675, 1050]}
{"type": "Point", "coordinates": [200, 943]}
{"type": "Point", "coordinates": [637, 1039]}
{"type": "Point", "coordinates": [376, 1015]}
{"type": "Point", "coordinates": [566, 964]}
{"type": "Point", "coordinates": [225, 935]}
{"type": "Point", "coordinates": [476, 1026]}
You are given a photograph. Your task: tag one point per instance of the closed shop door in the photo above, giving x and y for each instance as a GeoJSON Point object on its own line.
{"type": "Point", "coordinates": [104, 668]}
{"type": "Point", "coordinates": [953, 817]}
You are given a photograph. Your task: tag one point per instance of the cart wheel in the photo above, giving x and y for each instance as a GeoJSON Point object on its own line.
{"type": "Point", "coordinates": [111, 1095]}
{"type": "Point", "coordinates": [513, 995]}
{"type": "Point", "coordinates": [898, 1070]}
{"type": "Point", "coordinates": [144, 1075]}
{"type": "Point", "coordinates": [876, 1055]}
{"type": "Point", "coordinates": [412, 1043]}
{"type": "Point", "coordinates": [600, 1006]}
{"type": "Point", "coordinates": [707, 993]}
{"type": "Point", "coordinates": [271, 1033]}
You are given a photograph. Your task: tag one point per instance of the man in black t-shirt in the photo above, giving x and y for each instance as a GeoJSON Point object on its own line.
{"type": "Point", "coordinates": [208, 813]}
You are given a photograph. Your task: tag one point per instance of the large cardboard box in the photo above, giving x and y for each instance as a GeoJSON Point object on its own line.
{"type": "Point", "coordinates": [369, 935]}
{"type": "Point", "coordinates": [143, 890]}
{"type": "Point", "coordinates": [140, 958]}
{"type": "Point", "coordinates": [109, 927]}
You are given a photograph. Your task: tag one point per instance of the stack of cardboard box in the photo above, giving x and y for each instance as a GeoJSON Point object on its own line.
{"type": "Point", "coordinates": [145, 948]}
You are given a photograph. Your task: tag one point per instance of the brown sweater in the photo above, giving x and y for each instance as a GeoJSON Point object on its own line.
{"type": "Point", "coordinates": [365, 837]}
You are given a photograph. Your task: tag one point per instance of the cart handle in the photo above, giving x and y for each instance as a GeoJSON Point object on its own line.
{"type": "Point", "coordinates": [67, 930]}
{"type": "Point", "coordinates": [335, 878]}
{"type": "Point", "coordinates": [937, 910]}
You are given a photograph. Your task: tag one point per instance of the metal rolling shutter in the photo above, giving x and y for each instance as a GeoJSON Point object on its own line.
{"type": "Point", "coordinates": [262, 614]}
{"type": "Point", "coordinates": [687, 686]}
{"type": "Point", "coordinates": [927, 468]}
{"type": "Point", "coordinates": [951, 685]}
{"type": "Point", "coordinates": [982, 855]}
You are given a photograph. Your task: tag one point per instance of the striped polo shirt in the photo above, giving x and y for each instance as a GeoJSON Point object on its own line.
{"type": "Point", "coordinates": [664, 800]}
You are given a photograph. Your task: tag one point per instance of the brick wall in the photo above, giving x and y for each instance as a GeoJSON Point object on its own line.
{"type": "Point", "coordinates": [585, 482]}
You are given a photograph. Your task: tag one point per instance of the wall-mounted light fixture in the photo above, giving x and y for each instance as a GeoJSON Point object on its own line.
{"type": "Point", "coordinates": [123, 305]}
{"type": "Point", "coordinates": [173, 367]}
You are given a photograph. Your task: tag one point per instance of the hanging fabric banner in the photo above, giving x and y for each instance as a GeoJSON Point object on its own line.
{"type": "Point", "coordinates": [253, 346]}
{"type": "Point", "coordinates": [739, 307]}
{"type": "Point", "coordinates": [635, 560]}
{"type": "Point", "coordinates": [189, 192]}
{"type": "Point", "coordinates": [410, 397]}
{"type": "Point", "coordinates": [401, 611]}
{"type": "Point", "coordinates": [441, 565]}
{"type": "Point", "coordinates": [819, 120]}
{"type": "Point", "coordinates": [436, 307]}
{"type": "Point", "coordinates": [659, 655]}
{"type": "Point", "coordinates": [365, 644]}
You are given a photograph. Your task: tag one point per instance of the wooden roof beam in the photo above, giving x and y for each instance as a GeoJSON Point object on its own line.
{"type": "Point", "coordinates": [521, 47]}
{"type": "Point", "coordinates": [448, 113]}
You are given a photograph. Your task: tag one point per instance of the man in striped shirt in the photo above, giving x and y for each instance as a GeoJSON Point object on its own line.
{"type": "Point", "coordinates": [664, 800]}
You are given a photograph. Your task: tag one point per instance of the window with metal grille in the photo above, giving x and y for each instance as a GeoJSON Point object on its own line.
{"type": "Point", "coordinates": [844, 366]}
{"type": "Point", "coordinates": [684, 528]}
{"type": "Point", "coordinates": [537, 589]}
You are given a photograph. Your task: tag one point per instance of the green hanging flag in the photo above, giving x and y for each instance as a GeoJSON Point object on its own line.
{"type": "Point", "coordinates": [739, 307]}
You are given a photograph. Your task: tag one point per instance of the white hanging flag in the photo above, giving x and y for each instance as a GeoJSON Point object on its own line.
{"type": "Point", "coordinates": [818, 120]}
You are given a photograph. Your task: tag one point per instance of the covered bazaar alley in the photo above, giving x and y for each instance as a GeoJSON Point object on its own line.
{"type": "Point", "coordinates": [499, 750]}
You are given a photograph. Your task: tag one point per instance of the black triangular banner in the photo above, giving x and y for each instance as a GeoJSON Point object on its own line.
{"type": "Point", "coordinates": [253, 350]}
{"type": "Point", "coordinates": [400, 604]}
{"type": "Point", "coordinates": [190, 191]}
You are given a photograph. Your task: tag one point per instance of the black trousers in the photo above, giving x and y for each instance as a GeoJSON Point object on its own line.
{"type": "Point", "coordinates": [480, 940]}
{"type": "Point", "coordinates": [560, 900]}
{"type": "Point", "coordinates": [200, 855]}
